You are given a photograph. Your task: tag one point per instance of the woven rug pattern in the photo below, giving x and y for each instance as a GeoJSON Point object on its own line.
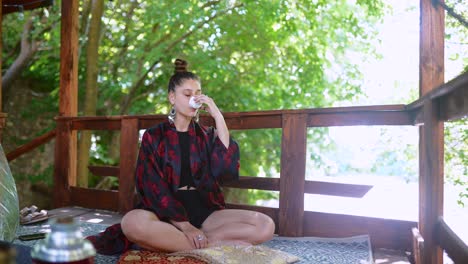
{"type": "Point", "coordinates": [147, 257]}
{"type": "Point", "coordinates": [310, 249]}
{"type": "Point", "coordinates": [348, 250]}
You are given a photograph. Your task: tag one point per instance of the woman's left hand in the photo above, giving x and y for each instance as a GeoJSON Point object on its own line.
{"type": "Point", "coordinates": [208, 105]}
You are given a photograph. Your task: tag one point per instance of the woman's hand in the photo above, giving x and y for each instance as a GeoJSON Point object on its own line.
{"type": "Point", "coordinates": [208, 105]}
{"type": "Point", "coordinates": [195, 236]}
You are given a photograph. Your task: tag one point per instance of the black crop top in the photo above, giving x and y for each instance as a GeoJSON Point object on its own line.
{"type": "Point", "coordinates": [185, 172]}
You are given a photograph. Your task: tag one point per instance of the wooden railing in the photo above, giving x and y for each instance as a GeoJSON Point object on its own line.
{"type": "Point", "coordinates": [444, 103]}
{"type": "Point", "coordinates": [451, 100]}
{"type": "Point", "coordinates": [290, 218]}
{"type": "Point", "coordinates": [33, 144]}
{"type": "Point", "coordinates": [450, 242]}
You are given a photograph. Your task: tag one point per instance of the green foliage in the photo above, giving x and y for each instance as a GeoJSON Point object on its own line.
{"type": "Point", "coordinates": [44, 176]}
{"type": "Point", "coordinates": [250, 55]}
{"type": "Point", "coordinates": [249, 196]}
{"type": "Point", "coordinates": [456, 158]}
{"type": "Point", "coordinates": [456, 133]}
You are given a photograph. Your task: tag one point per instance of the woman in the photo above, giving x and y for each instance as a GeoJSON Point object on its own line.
{"type": "Point", "coordinates": [180, 165]}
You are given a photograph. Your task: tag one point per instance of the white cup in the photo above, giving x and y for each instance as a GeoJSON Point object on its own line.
{"type": "Point", "coordinates": [194, 104]}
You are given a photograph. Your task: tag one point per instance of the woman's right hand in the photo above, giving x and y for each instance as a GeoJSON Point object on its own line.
{"type": "Point", "coordinates": [195, 236]}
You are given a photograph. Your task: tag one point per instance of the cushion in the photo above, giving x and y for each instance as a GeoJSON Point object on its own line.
{"type": "Point", "coordinates": [239, 254]}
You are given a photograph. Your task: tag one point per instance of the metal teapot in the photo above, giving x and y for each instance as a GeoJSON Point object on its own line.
{"type": "Point", "coordinates": [64, 244]}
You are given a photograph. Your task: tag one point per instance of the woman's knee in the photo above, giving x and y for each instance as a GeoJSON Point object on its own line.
{"type": "Point", "coordinates": [132, 224]}
{"type": "Point", "coordinates": [265, 226]}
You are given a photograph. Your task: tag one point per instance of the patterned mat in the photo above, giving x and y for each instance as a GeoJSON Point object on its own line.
{"type": "Point", "coordinates": [310, 249]}
{"type": "Point", "coordinates": [348, 250]}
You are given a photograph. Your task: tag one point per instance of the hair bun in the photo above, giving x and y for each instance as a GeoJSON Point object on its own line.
{"type": "Point", "coordinates": [180, 65]}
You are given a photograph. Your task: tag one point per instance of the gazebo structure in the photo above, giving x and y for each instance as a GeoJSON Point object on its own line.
{"type": "Point", "coordinates": [439, 102]}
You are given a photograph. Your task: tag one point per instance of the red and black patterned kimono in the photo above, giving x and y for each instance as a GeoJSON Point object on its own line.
{"type": "Point", "coordinates": [158, 173]}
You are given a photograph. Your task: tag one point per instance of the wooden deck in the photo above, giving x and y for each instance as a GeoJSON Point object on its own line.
{"type": "Point", "coordinates": [94, 216]}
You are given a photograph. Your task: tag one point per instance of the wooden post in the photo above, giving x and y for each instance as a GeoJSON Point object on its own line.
{"type": "Point", "coordinates": [62, 164]}
{"type": "Point", "coordinates": [431, 140]}
{"type": "Point", "coordinates": [128, 156]}
{"type": "Point", "coordinates": [65, 146]}
{"type": "Point", "coordinates": [292, 179]}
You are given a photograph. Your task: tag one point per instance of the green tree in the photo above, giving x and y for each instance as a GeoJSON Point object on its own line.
{"type": "Point", "coordinates": [90, 102]}
{"type": "Point", "coordinates": [250, 55]}
{"type": "Point", "coordinates": [456, 132]}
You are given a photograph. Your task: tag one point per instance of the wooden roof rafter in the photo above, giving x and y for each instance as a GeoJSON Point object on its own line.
{"type": "Point", "coordinates": [12, 6]}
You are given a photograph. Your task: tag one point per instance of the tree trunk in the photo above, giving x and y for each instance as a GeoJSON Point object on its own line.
{"type": "Point", "coordinates": [114, 148]}
{"type": "Point", "coordinates": [90, 102]}
{"type": "Point", "coordinates": [86, 8]}
{"type": "Point", "coordinates": [28, 49]}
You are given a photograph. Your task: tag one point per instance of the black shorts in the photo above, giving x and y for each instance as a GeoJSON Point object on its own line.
{"type": "Point", "coordinates": [196, 209]}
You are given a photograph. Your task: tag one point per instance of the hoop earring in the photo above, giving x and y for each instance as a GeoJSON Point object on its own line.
{"type": "Point", "coordinates": [197, 116]}
{"type": "Point", "coordinates": [172, 115]}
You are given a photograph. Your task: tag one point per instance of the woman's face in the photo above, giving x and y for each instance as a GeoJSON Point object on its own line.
{"type": "Point", "coordinates": [181, 96]}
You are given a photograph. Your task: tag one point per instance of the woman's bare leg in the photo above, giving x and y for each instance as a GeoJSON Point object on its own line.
{"type": "Point", "coordinates": [238, 226]}
{"type": "Point", "coordinates": [145, 229]}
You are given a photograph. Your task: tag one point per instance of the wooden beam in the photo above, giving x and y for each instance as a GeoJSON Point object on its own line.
{"type": "Point", "coordinates": [31, 145]}
{"type": "Point", "coordinates": [457, 83]}
{"type": "Point", "coordinates": [258, 183]}
{"type": "Point", "coordinates": [104, 171]}
{"type": "Point", "coordinates": [96, 124]}
{"type": "Point", "coordinates": [293, 153]}
{"type": "Point", "coordinates": [68, 97]}
{"type": "Point", "coordinates": [418, 246]}
{"type": "Point", "coordinates": [336, 189]}
{"type": "Point", "coordinates": [253, 122]}
{"type": "Point", "coordinates": [94, 198]}
{"type": "Point", "coordinates": [151, 120]}
{"type": "Point", "coordinates": [62, 167]}
{"type": "Point", "coordinates": [384, 233]}
{"type": "Point", "coordinates": [431, 144]}
{"type": "Point", "coordinates": [339, 116]}
{"type": "Point", "coordinates": [128, 158]}
{"type": "Point", "coordinates": [452, 98]}
{"type": "Point", "coordinates": [455, 248]}
{"type": "Point", "coordinates": [361, 118]}
{"type": "Point", "coordinates": [313, 187]}
{"type": "Point", "coordinates": [431, 180]}
{"type": "Point", "coordinates": [11, 6]}
{"type": "Point", "coordinates": [417, 116]}
{"type": "Point", "coordinates": [455, 105]}
{"type": "Point", "coordinates": [68, 94]}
